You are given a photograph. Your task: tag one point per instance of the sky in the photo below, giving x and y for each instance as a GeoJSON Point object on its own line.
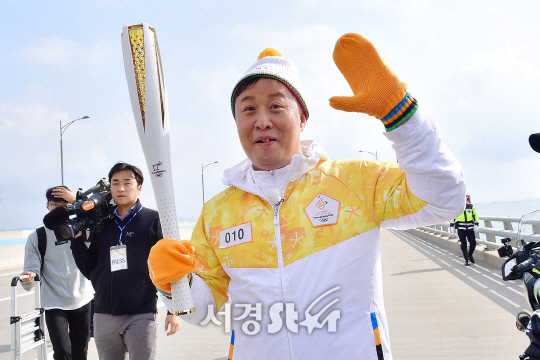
{"type": "Point", "coordinates": [473, 66]}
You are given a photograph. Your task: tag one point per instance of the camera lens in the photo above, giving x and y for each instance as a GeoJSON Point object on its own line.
{"type": "Point", "coordinates": [72, 228]}
{"type": "Point", "coordinates": [67, 232]}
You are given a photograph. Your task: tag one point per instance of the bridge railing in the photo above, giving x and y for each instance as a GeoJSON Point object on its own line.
{"type": "Point", "coordinates": [492, 234]}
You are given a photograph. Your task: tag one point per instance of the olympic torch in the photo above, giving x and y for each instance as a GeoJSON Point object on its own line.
{"type": "Point", "coordinates": [146, 84]}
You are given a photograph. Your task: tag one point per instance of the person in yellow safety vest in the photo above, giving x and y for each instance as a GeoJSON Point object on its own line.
{"type": "Point", "coordinates": [466, 225]}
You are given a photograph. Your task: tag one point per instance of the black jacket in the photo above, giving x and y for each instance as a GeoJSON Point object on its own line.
{"type": "Point", "coordinates": [129, 291]}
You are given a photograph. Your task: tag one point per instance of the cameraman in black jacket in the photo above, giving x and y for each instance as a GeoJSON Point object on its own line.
{"type": "Point", "coordinates": [116, 263]}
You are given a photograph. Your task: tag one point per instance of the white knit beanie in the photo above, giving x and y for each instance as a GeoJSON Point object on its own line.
{"type": "Point", "coordinates": [272, 65]}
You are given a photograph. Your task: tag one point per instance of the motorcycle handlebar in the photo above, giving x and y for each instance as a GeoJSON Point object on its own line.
{"type": "Point", "coordinates": [530, 261]}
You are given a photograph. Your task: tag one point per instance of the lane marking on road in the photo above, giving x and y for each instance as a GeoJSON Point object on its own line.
{"type": "Point", "coordinates": [495, 281]}
{"type": "Point", "coordinates": [460, 272]}
{"type": "Point", "coordinates": [473, 269]}
{"type": "Point", "coordinates": [477, 282]}
{"type": "Point", "coordinates": [444, 262]}
{"type": "Point", "coordinates": [12, 273]}
{"type": "Point", "coordinates": [487, 273]}
{"type": "Point", "coordinates": [9, 298]}
{"type": "Point", "coordinates": [514, 290]}
{"type": "Point", "coordinates": [502, 297]}
{"type": "Point", "coordinates": [481, 267]}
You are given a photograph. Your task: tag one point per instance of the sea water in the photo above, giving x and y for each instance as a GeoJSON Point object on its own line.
{"type": "Point", "coordinates": [514, 209]}
{"type": "Point", "coordinates": [509, 208]}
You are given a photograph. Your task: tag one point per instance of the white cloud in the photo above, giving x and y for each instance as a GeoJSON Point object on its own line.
{"type": "Point", "coordinates": [309, 3]}
{"type": "Point", "coordinates": [512, 180]}
{"type": "Point", "coordinates": [508, 65]}
{"type": "Point", "coordinates": [64, 53]}
{"type": "Point", "coordinates": [211, 84]}
{"type": "Point", "coordinates": [27, 118]}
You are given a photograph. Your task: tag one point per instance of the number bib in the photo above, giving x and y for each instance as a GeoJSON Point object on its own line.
{"type": "Point", "coordinates": [235, 235]}
{"type": "Point", "coordinates": [118, 258]}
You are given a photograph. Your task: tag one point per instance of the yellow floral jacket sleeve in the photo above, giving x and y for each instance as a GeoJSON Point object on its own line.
{"type": "Point", "coordinates": [381, 186]}
{"type": "Point", "coordinates": [208, 266]}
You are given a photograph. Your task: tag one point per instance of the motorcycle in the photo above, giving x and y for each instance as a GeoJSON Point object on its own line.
{"type": "Point", "coordinates": [524, 264]}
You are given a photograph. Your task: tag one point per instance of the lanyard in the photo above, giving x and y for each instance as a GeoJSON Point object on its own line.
{"type": "Point", "coordinates": [123, 227]}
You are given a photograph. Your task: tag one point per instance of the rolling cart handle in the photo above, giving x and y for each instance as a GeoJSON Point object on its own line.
{"type": "Point", "coordinates": [14, 282]}
{"type": "Point", "coordinates": [28, 331]}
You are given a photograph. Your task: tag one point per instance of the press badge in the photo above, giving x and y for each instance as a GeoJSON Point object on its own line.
{"type": "Point", "coordinates": [118, 258]}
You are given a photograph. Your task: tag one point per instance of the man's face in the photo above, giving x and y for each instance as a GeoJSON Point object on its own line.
{"type": "Point", "coordinates": [269, 123]}
{"type": "Point", "coordinates": [53, 204]}
{"type": "Point", "coordinates": [124, 188]}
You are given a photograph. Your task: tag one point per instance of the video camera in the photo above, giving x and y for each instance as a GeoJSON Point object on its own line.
{"type": "Point", "coordinates": [91, 210]}
{"type": "Point", "coordinates": [506, 249]}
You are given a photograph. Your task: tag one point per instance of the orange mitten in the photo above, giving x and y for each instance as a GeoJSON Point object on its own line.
{"type": "Point", "coordinates": [378, 91]}
{"type": "Point", "coordinates": [169, 261]}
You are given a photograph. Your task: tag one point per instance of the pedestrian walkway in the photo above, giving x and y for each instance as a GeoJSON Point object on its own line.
{"type": "Point", "coordinates": [440, 309]}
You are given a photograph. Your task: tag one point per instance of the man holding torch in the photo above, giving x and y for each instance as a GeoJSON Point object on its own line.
{"type": "Point", "coordinates": [294, 239]}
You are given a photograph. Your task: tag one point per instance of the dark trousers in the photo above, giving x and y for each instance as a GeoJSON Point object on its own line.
{"type": "Point", "coordinates": [465, 235]}
{"type": "Point", "coordinates": [69, 331]}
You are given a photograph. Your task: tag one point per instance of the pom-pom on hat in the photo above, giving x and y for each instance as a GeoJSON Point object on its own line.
{"type": "Point", "coordinates": [271, 64]}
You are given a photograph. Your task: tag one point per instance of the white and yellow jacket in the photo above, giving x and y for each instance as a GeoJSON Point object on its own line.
{"type": "Point", "coordinates": [322, 239]}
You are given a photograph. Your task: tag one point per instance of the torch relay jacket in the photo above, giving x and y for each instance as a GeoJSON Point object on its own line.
{"type": "Point", "coordinates": [304, 274]}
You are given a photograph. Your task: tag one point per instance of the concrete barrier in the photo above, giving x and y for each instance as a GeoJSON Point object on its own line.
{"type": "Point", "coordinates": [12, 244]}
{"type": "Point", "coordinates": [186, 228]}
{"type": "Point", "coordinates": [12, 248]}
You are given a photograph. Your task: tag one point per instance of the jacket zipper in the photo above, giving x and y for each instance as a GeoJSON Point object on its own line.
{"type": "Point", "coordinates": [277, 231]}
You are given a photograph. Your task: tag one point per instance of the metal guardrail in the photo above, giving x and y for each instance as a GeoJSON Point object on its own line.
{"type": "Point", "coordinates": [509, 229]}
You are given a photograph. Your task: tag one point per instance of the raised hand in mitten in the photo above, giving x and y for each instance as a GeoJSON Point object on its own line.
{"type": "Point", "coordinates": [169, 261]}
{"type": "Point", "coordinates": [378, 91]}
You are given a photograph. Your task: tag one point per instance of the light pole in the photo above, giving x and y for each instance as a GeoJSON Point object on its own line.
{"type": "Point", "coordinates": [62, 130]}
{"type": "Point", "coordinates": [202, 177]}
{"type": "Point", "coordinates": [369, 152]}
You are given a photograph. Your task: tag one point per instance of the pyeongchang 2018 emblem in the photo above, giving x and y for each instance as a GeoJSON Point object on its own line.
{"type": "Point", "coordinates": [323, 210]}
{"type": "Point", "coordinates": [156, 171]}
{"type": "Point", "coordinates": [321, 203]}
